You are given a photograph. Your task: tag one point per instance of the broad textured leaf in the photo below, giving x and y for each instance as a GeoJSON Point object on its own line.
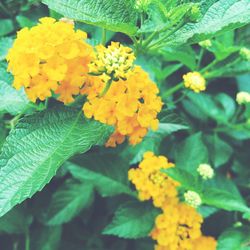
{"type": "Point", "coordinates": [68, 201]}
{"type": "Point", "coordinates": [5, 45]}
{"type": "Point", "coordinates": [11, 100]}
{"type": "Point", "coordinates": [224, 200]}
{"type": "Point", "coordinates": [234, 239]}
{"type": "Point", "coordinates": [119, 16]}
{"type": "Point", "coordinates": [218, 16]}
{"type": "Point", "coordinates": [38, 146]}
{"type": "Point", "coordinates": [132, 220]}
{"type": "Point", "coordinates": [108, 173]}
{"type": "Point", "coordinates": [191, 153]}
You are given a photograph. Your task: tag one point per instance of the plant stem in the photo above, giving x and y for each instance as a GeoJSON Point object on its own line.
{"type": "Point", "coordinates": [172, 90]}
{"type": "Point", "coordinates": [200, 57]}
{"type": "Point", "coordinates": [158, 43]}
{"type": "Point", "coordinates": [104, 35]}
{"type": "Point", "coordinates": [27, 240]}
{"type": "Point", "coordinates": [105, 90]}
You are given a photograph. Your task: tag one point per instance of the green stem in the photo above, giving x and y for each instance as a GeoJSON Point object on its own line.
{"type": "Point", "coordinates": [105, 90]}
{"type": "Point", "coordinates": [104, 35]}
{"type": "Point", "coordinates": [27, 240]}
{"type": "Point", "coordinates": [202, 51]}
{"type": "Point", "coordinates": [152, 36]}
{"type": "Point", "coordinates": [172, 90]}
{"type": "Point", "coordinates": [158, 43]}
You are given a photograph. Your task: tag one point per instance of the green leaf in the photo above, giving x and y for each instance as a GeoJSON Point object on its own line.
{"type": "Point", "coordinates": [220, 151]}
{"type": "Point", "coordinates": [224, 200]}
{"type": "Point", "coordinates": [234, 239]}
{"type": "Point", "coordinates": [6, 27]}
{"type": "Point", "coordinates": [68, 202]}
{"type": "Point", "coordinates": [119, 16]}
{"type": "Point", "coordinates": [5, 45]}
{"type": "Point", "coordinates": [191, 153]}
{"type": "Point", "coordinates": [186, 179]}
{"type": "Point", "coordinates": [200, 102]}
{"type": "Point", "coordinates": [108, 173]}
{"type": "Point", "coordinates": [38, 146]}
{"type": "Point", "coordinates": [24, 21]}
{"type": "Point", "coordinates": [15, 221]}
{"type": "Point", "coordinates": [11, 100]}
{"type": "Point", "coordinates": [185, 55]}
{"type": "Point", "coordinates": [218, 16]}
{"type": "Point", "coordinates": [132, 220]}
{"type": "Point", "coordinates": [45, 238]}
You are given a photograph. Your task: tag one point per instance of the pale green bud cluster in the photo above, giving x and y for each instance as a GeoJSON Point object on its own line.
{"type": "Point", "coordinates": [193, 199]}
{"type": "Point", "coordinates": [205, 44]}
{"type": "Point", "coordinates": [205, 171]}
{"type": "Point", "coordinates": [243, 98]}
{"type": "Point", "coordinates": [245, 53]}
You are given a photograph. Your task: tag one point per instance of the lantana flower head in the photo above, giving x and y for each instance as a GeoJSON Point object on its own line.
{"type": "Point", "coordinates": [205, 171]}
{"type": "Point", "coordinates": [115, 61]}
{"type": "Point", "coordinates": [50, 57]}
{"type": "Point", "coordinates": [130, 105]}
{"type": "Point", "coordinates": [194, 81]}
{"type": "Point", "coordinates": [193, 199]}
{"type": "Point", "coordinates": [150, 182]}
{"type": "Point", "coordinates": [177, 227]}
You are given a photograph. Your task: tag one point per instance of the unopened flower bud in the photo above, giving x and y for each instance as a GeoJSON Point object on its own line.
{"type": "Point", "coordinates": [205, 171]}
{"type": "Point", "coordinates": [243, 98]}
{"type": "Point", "coordinates": [193, 199]}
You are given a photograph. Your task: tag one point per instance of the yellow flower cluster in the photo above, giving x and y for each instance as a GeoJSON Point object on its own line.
{"type": "Point", "coordinates": [194, 81]}
{"type": "Point", "coordinates": [178, 227]}
{"type": "Point", "coordinates": [50, 57]}
{"type": "Point", "coordinates": [115, 61]}
{"type": "Point", "coordinates": [150, 182]}
{"type": "Point", "coordinates": [130, 105]}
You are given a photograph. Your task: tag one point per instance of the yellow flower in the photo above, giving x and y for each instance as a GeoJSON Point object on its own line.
{"type": "Point", "coordinates": [205, 171]}
{"type": "Point", "coordinates": [177, 227]}
{"type": "Point", "coordinates": [243, 98]}
{"type": "Point", "coordinates": [194, 81]}
{"type": "Point", "coordinates": [50, 57]}
{"type": "Point", "coordinates": [130, 105]}
{"type": "Point", "coordinates": [193, 199]}
{"type": "Point", "coordinates": [150, 182]}
{"type": "Point", "coordinates": [116, 61]}
{"type": "Point", "coordinates": [204, 243]}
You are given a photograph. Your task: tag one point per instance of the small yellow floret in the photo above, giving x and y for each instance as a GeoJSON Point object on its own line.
{"type": "Point", "coordinates": [205, 171]}
{"type": "Point", "coordinates": [243, 98]}
{"type": "Point", "coordinates": [194, 81]}
{"type": "Point", "coordinates": [193, 199]}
